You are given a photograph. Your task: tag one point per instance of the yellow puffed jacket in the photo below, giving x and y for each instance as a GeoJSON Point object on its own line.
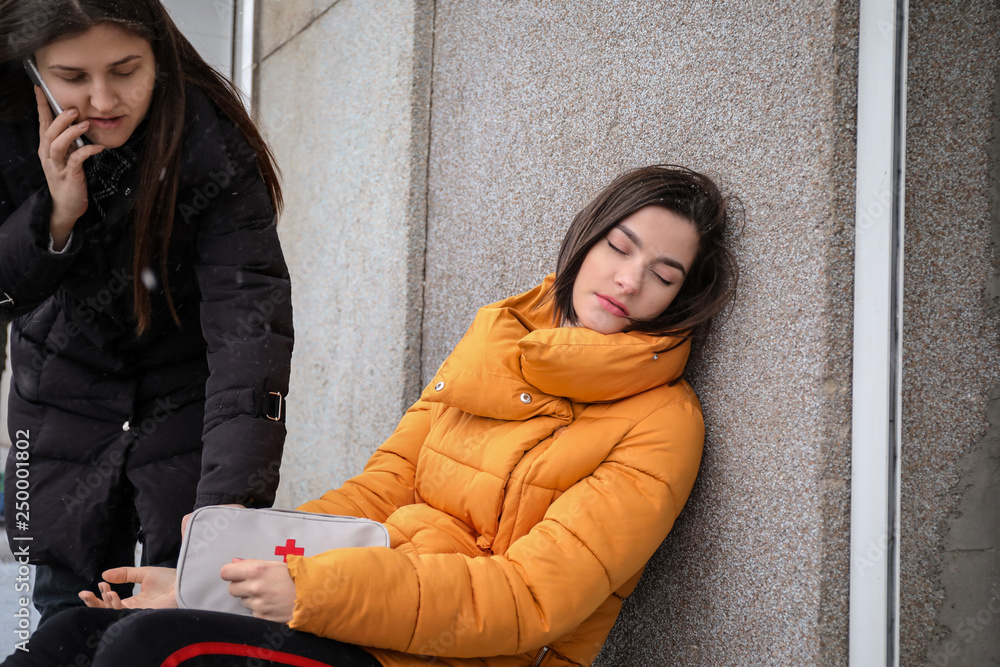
{"type": "Point", "coordinates": [523, 493]}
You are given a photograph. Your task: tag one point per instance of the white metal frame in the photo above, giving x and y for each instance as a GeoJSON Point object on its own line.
{"type": "Point", "coordinates": [878, 326]}
{"type": "Point", "coordinates": [244, 16]}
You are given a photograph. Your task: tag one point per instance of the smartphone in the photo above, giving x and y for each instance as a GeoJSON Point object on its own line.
{"type": "Point", "coordinates": [36, 78]}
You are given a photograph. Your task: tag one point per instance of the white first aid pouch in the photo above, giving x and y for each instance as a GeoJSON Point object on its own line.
{"type": "Point", "coordinates": [216, 535]}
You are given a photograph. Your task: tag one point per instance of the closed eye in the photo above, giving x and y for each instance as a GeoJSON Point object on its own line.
{"type": "Point", "coordinates": [663, 280]}
{"type": "Point", "coordinates": [616, 248]}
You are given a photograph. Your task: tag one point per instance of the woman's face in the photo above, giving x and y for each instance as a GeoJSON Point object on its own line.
{"type": "Point", "coordinates": [107, 74]}
{"type": "Point", "coordinates": [635, 271]}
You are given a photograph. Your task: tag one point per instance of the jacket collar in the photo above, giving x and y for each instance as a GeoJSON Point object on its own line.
{"type": "Point", "coordinates": [514, 363]}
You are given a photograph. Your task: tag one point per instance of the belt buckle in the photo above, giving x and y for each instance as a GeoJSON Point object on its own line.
{"type": "Point", "coordinates": [280, 403]}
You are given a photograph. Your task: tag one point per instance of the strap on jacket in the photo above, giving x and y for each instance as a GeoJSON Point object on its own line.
{"type": "Point", "coordinates": [231, 402]}
{"type": "Point", "coordinates": [273, 407]}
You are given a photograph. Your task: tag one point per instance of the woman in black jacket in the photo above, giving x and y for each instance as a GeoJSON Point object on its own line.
{"type": "Point", "coordinates": [151, 305]}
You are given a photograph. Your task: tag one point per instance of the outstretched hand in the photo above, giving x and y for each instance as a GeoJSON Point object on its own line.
{"type": "Point", "coordinates": [156, 589]}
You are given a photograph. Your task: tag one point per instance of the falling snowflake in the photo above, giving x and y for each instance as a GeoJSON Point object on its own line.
{"type": "Point", "coordinates": [149, 279]}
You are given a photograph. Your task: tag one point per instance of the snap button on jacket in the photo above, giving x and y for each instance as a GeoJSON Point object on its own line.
{"type": "Point", "coordinates": [515, 525]}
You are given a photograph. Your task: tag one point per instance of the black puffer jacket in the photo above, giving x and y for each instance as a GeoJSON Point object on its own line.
{"type": "Point", "coordinates": [79, 372]}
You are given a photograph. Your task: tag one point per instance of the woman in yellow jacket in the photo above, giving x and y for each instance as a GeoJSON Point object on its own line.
{"type": "Point", "coordinates": [523, 493]}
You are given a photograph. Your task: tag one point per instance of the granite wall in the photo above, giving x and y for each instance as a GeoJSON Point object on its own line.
{"type": "Point", "coordinates": [950, 542]}
{"type": "Point", "coordinates": [434, 153]}
{"type": "Point", "coordinates": [343, 96]}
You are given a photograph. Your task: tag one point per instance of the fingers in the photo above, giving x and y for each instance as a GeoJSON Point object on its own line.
{"type": "Point", "coordinates": [264, 587]}
{"type": "Point", "coordinates": [59, 134]}
{"type": "Point", "coordinates": [61, 123]}
{"type": "Point", "coordinates": [125, 575]}
{"type": "Point", "coordinates": [244, 577]}
{"type": "Point", "coordinates": [241, 570]}
{"type": "Point", "coordinates": [62, 134]}
{"type": "Point", "coordinates": [56, 145]}
{"type": "Point", "coordinates": [108, 600]}
{"type": "Point", "coordinates": [109, 597]}
{"type": "Point", "coordinates": [77, 157]}
{"type": "Point", "coordinates": [52, 128]}
{"type": "Point", "coordinates": [91, 600]}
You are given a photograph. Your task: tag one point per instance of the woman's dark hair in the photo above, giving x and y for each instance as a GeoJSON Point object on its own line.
{"type": "Point", "coordinates": [711, 281]}
{"type": "Point", "coordinates": [28, 25]}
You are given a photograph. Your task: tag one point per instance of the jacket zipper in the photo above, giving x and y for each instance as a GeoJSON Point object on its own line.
{"type": "Point", "coordinates": [541, 656]}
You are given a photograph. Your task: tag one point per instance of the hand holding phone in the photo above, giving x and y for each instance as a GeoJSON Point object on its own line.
{"type": "Point", "coordinates": [36, 78]}
{"type": "Point", "coordinates": [61, 160]}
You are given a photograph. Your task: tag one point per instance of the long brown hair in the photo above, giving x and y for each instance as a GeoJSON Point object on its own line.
{"type": "Point", "coordinates": [711, 282]}
{"type": "Point", "coordinates": [27, 25]}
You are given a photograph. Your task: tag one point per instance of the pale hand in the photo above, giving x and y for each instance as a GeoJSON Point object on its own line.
{"type": "Point", "coordinates": [63, 167]}
{"type": "Point", "coordinates": [264, 587]}
{"type": "Point", "coordinates": [156, 589]}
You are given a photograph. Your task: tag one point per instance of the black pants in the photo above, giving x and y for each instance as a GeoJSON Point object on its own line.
{"type": "Point", "coordinates": [178, 638]}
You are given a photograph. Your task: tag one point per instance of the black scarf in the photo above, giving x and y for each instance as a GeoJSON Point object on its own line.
{"type": "Point", "coordinates": [106, 169]}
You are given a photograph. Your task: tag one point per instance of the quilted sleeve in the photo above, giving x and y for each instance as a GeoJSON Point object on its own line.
{"type": "Point", "coordinates": [246, 318]}
{"type": "Point", "coordinates": [29, 272]}
{"type": "Point", "coordinates": [387, 481]}
{"type": "Point", "coordinates": [591, 541]}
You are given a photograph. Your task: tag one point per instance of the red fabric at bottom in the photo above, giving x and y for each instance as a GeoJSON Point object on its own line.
{"type": "Point", "coordinates": [242, 650]}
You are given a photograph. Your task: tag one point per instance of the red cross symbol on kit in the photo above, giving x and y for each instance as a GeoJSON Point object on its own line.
{"type": "Point", "coordinates": [288, 550]}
